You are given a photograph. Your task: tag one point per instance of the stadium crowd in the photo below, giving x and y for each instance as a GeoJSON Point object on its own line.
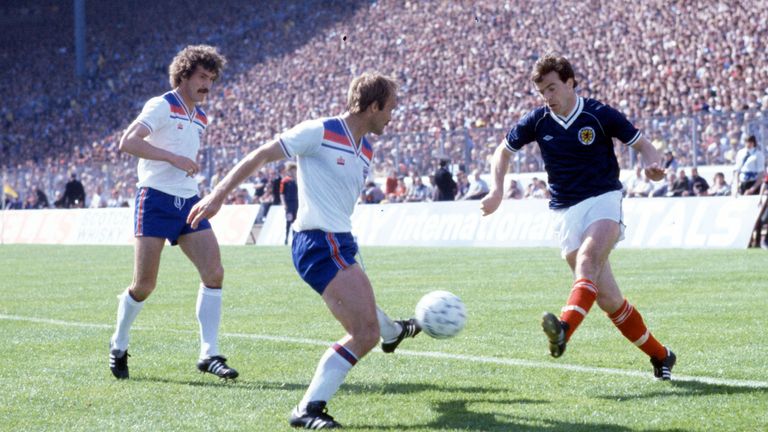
{"type": "Point", "coordinates": [687, 73]}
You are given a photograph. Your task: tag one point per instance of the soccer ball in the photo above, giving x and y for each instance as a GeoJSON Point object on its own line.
{"type": "Point", "coordinates": [441, 314]}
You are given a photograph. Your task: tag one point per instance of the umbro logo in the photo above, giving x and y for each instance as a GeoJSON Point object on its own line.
{"type": "Point", "coordinates": [179, 126]}
{"type": "Point", "coordinates": [548, 137]}
{"type": "Point", "coordinates": [340, 161]}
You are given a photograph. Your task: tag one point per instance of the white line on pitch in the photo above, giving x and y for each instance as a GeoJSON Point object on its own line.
{"type": "Point", "coordinates": [429, 354]}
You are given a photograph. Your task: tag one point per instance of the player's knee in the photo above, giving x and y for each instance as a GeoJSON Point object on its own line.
{"type": "Point", "coordinates": [367, 336]}
{"type": "Point", "coordinates": [610, 302]}
{"type": "Point", "coordinates": [139, 291]}
{"type": "Point", "coordinates": [588, 264]}
{"type": "Point", "coordinates": [214, 277]}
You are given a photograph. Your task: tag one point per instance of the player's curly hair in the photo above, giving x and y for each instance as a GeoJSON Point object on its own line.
{"type": "Point", "coordinates": [187, 60]}
{"type": "Point", "coordinates": [552, 62]}
{"type": "Point", "coordinates": [369, 88]}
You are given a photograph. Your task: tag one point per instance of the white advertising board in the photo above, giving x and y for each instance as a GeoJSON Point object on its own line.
{"type": "Point", "coordinates": [691, 222]}
{"type": "Point", "coordinates": [112, 226]}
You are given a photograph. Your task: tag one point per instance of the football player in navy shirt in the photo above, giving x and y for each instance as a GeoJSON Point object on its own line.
{"type": "Point", "coordinates": [575, 136]}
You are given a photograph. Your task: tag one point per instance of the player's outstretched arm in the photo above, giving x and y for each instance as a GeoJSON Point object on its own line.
{"type": "Point", "coordinates": [499, 167]}
{"type": "Point", "coordinates": [211, 204]}
{"type": "Point", "coordinates": [651, 159]}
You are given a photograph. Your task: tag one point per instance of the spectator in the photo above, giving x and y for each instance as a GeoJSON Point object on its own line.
{"type": "Point", "coordinates": [723, 78]}
{"type": "Point", "coordinates": [42, 199]}
{"type": "Point", "coordinates": [372, 194]}
{"type": "Point", "coordinates": [446, 186]}
{"type": "Point", "coordinates": [274, 180]}
{"type": "Point", "coordinates": [640, 186]}
{"type": "Point", "coordinates": [401, 190]}
{"type": "Point", "coordinates": [750, 167]}
{"type": "Point", "coordinates": [289, 190]}
{"type": "Point", "coordinates": [265, 202]}
{"type": "Point", "coordinates": [537, 189]}
{"type": "Point", "coordinates": [763, 219]}
{"type": "Point", "coordinates": [462, 185]}
{"type": "Point", "coordinates": [682, 185]}
{"type": "Point", "coordinates": [669, 162]}
{"type": "Point", "coordinates": [115, 200]}
{"type": "Point", "coordinates": [97, 201]}
{"type": "Point", "coordinates": [391, 184]}
{"type": "Point", "coordinates": [699, 186]}
{"type": "Point", "coordinates": [74, 194]}
{"type": "Point", "coordinates": [478, 188]}
{"type": "Point", "coordinates": [719, 186]}
{"type": "Point", "coordinates": [513, 191]}
{"type": "Point", "coordinates": [418, 192]}
{"type": "Point", "coordinates": [666, 189]}
{"type": "Point", "coordinates": [636, 177]}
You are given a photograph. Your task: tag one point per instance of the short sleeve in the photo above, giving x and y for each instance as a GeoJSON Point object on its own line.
{"type": "Point", "coordinates": [155, 114]}
{"type": "Point", "coordinates": [618, 126]}
{"type": "Point", "coordinates": [523, 133]}
{"type": "Point", "coordinates": [302, 139]}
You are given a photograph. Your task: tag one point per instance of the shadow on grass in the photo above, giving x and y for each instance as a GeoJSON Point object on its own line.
{"type": "Point", "coordinates": [685, 388]}
{"type": "Point", "coordinates": [355, 388]}
{"type": "Point", "coordinates": [456, 413]}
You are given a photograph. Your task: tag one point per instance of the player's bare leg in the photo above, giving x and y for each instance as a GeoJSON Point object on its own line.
{"type": "Point", "coordinates": [147, 254]}
{"type": "Point", "coordinates": [586, 263]}
{"type": "Point", "coordinates": [630, 323]}
{"type": "Point", "coordinates": [350, 298]}
{"type": "Point", "coordinates": [202, 249]}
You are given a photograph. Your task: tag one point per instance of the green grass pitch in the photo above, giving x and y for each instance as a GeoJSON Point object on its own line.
{"type": "Point", "coordinates": [58, 304]}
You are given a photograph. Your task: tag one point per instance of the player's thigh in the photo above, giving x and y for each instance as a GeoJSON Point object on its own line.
{"type": "Point", "coordinates": [350, 298]}
{"type": "Point", "coordinates": [600, 237]}
{"type": "Point", "coordinates": [202, 248]}
{"type": "Point", "coordinates": [146, 259]}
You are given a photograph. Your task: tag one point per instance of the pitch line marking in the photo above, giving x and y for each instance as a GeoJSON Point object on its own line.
{"type": "Point", "coordinates": [426, 354]}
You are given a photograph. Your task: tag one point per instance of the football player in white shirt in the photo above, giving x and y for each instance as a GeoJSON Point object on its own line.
{"type": "Point", "coordinates": [166, 137]}
{"type": "Point", "coordinates": [333, 158]}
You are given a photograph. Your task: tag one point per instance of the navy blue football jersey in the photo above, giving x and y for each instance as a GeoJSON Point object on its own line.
{"type": "Point", "coordinates": [577, 150]}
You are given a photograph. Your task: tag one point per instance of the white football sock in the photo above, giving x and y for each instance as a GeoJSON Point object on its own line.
{"type": "Point", "coordinates": [329, 376]}
{"type": "Point", "coordinates": [209, 316]}
{"type": "Point", "coordinates": [388, 329]}
{"type": "Point", "coordinates": [127, 310]}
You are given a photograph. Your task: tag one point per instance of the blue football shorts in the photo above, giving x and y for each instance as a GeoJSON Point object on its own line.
{"type": "Point", "coordinates": [319, 255]}
{"type": "Point", "coordinates": [158, 214]}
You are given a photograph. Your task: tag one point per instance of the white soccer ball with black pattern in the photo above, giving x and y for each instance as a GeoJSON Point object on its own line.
{"type": "Point", "coordinates": [441, 314]}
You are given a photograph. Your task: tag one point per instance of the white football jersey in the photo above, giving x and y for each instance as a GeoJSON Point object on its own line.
{"type": "Point", "coordinates": [332, 170]}
{"type": "Point", "coordinates": [176, 130]}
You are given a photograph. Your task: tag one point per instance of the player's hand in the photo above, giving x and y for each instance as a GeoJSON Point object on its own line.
{"type": "Point", "coordinates": [490, 202]}
{"type": "Point", "coordinates": [654, 173]}
{"type": "Point", "coordinates": [206, 208]}
{"type": "Point", "coordinates": [185, 164]}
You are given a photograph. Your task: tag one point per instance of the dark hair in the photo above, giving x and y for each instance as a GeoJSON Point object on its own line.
{"type": "Point", "coordinates": [369, 88]}
{"type": "Point", "coordinates": [552, 62]}
{"type": "Point", "coordinates": [187, 60]}
{"type": "Point", "coordinates": [752, 139]}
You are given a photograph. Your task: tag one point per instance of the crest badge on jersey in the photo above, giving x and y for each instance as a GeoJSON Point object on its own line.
{"type": "Point", "coordinates": [340, 161]}
{"type": "Point", "coordinates": [586, 135]}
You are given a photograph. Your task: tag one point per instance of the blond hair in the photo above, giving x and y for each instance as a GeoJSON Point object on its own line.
{"type": "Point", "coordinates": [370, 88]}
